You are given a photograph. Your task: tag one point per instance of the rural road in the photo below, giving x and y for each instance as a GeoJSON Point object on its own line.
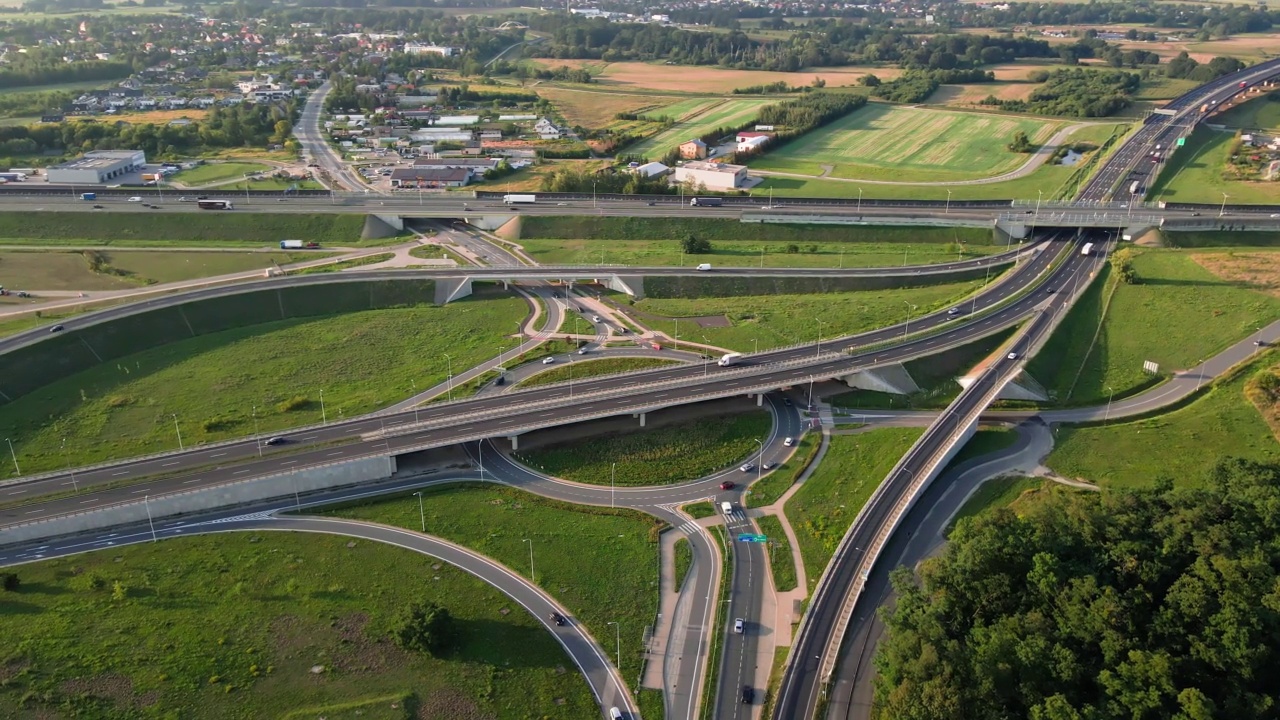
{"type": "Point", "coordinates": [1038, 158]}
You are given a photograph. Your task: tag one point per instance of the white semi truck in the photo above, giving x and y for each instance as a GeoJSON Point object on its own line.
{"type": "Point", "coordinates": [517, 199]}
{"type": "Point", "coordinates": [729, 359]}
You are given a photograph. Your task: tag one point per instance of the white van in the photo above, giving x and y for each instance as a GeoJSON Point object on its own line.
{"type": "Point", "coordinates": [726, 508]}
{"type": "Point", "coordinates": [615, 714]}
{"type": "Point", "coordinates": [704, 266]}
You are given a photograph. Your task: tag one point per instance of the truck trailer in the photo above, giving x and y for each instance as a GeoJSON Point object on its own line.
{"type": "Point", "coordinates": [88, 196]}
{"type": "Point", "coordinates": [298, 245]}
{"type": "Point", "coordinates": [514, 199]}
{"type": "Point", "coordinates": [706, 202]}
{"type": "Point", "coordinates": [729, 359]}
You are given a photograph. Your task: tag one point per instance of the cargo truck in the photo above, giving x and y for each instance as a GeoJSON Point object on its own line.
{"type": "Point", "coordinates": [1087, 249]}
{"type": "Point", "coordinates": [298, 245]}
{"type": "Point", "coordinates": [706, 202]}
{"type": "Point", "coordinates": [729, 359]}
{"type": "Point", "coordinates": [513, 199]}
{"type": "Point", "coordinates": [88, 196]}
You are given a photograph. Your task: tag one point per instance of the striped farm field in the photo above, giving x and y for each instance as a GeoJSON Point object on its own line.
{"type": "Point", "coordinates": [716, 113]}
{"type": "Point", "coordinates": [683, 108]}
{"type": "Point", "coordinates": [881, 142]}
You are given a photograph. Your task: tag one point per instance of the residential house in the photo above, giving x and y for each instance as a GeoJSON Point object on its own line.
{"type": "Point", "coordinates": [693, 150]}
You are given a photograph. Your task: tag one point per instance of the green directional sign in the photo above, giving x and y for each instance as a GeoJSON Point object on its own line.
{"type": "Point", "coordinates": [749, 537]}
{"type": "Point", "coordinates": [1182, 141]}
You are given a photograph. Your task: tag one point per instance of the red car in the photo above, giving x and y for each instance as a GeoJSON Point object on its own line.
{"type": "Point", "coordinates": [727, 485]}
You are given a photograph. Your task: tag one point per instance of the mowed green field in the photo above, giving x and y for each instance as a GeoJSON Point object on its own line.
{"type": "Point", "coordinates": [218, 172]}
{"type": "Point", "coordinates": [881, 142]}
{"type": "Point", "coordinates": [717, 114]}
{"type": "Point", "coordinates": [679, 110]}
{"type": "Point", "coordinates": [1195, 174]}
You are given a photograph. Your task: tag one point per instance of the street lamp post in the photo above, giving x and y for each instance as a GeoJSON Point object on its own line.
{"type": "Point", "coordinates": [617, 639]}
{"type": "Point", "coordinates": [532, 576]}
{"type": "Point", "coordinates": [146, 500]}
{"type": "Point", "coordinates": [948, 210]}
{"type": "Point", "coordinates": [414, 385]}
{"type": "Point", "coordinates": [74, 486]}
{"type": "Point", "coordinates": [1111, 393]}
{"type": "Point", "coordinates": [449, 360]}
{"type": "Point", "coordinates": [177, 430]}
{"type": "Point", "coordinates": [422, 514]}
{"type": "Point", "coordinates": [819, 345]}
{"type": "Point", "coordinates": [760, 460]}
{"type": "Point", "coordinates": [14, 455]}
{"type": "Point", "coordinates": [593, 194]}
{"type": "Point", "coordinates": [1223, 210]}
{"type": "Point", "coordinates": [762, 257]}
{"type": "Point", "coordinates": [907, 326]}
{"type": "Point", "coordinates": [324, 417]}
{"type": "Point", "coordinates": [257, 438]}
{"type": "Point", "coordinates": [859, 201]}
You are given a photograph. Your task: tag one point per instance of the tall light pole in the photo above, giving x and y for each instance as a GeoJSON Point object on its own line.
{"type": "Point", "coordinates": [819, 345]}
{"type": "Point", "coordinates": [414, 385]}
{"type": "Point", "coordinates": [422, 514]}
{"type": "Point", "coordinates": [762, 257]}
{"type": "Point", "coordinates": [324, 417]}
{"type": "Point", "coordinates": [449, 360]}
{"type": "Point", "coordinates": [14, 455]}
{"type": "Point", "coordinates": [175, 428]}
{"type": "Point", "coordinates": [146, 500]}
{"type": "Point", "coordinates": [256, 437]}
{"type": "Point", "coordinates": [859, 200]}
{"type": "Point", "coordinates": [532, 577]}
{"type": "Point", "coordinates": [593, 194]}
{"type": "Point", "coordinates": [910, 307]}
{"type": "Point", "coordinates": [705, 356]}
{"type": "Point", "coordinates": [760, 460]}
{"type": "Point", "coordinates": [69, 465]}
{"type": "Point", "coordinates": [948, 210]}
{"type": "Point", "coordinates": [1223, 210]}
{"type": "Point", "coordinates": [1112, 393]}
{"type": "Point", "coordinates": [617, 639]}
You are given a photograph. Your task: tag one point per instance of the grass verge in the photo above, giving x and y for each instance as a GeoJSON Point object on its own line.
{"type": "Point", "coordinates": [746, 253]}
{"type": "Point", "coordinates": [230, 626]}
{"type": "Point", "coordinates": [784, 570]}
{"type": "Point", "coordinates": [234, 227]}
{"type": "Point", "coordinates": [699, 510]}
{"type": "Point", "coordinates": [775, 680]}
{"type": "Point", "coordinates": [1181, 445]}
{"type": "Point", "coordinates": [683, 561]}
{"type": "Point", "coordinates": [582, 369]}
{"type": "Point", "coordinates": [721, 540]}
{"type": "Point", "coordinates": [345, 264]}
{"type": "Point", "coordinates": [598, 562]}
{"type": "Point", "coordinates": [780, 479]}
{"type": "Point", "coordinates": [669, 454]}
{"type": "Point", "coordinates": [624, 231]}
{"type": "Point", "coordinates": [984, 442]}
{"type": "Point", "coordinates": [824, 507]}
{"type": "Point", "coordinates": [995, 493]}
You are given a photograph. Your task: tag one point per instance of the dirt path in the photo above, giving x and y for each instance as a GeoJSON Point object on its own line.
{"type": "Point", "coordinates": [1038, 158]}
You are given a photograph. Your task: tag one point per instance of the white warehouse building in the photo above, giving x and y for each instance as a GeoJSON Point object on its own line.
{"type": "Point", "coordinates": [714, 176]}
{"type": "Point", "coordinates": [98, 167]}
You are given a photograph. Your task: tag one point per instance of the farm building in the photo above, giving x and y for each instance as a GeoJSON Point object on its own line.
{"type": "Point", "coordinates": [750, 143]}
{"type": "Point", "coordinates": [693, 150]}
{"type": "Point", "coordinates": [714, 176]}
{"type": "Point", "coordinates": [746, 135]}
{"type": "Point", "coordinates": [98, 166]}
{"type": "Point", "coordinates": [653, 169]}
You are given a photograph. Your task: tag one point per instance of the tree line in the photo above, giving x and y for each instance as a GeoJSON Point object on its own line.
{"type": "Point", "coordinates": [917, 85]}
{"type": "Point", "coordinates": [1150, 604]}
{"type": "Point", "coordinates": [1184, 66]}
{"type": "Point", "coordinates": [1076, 93]}
{"type": "Point", "coordinates": [793, 118]}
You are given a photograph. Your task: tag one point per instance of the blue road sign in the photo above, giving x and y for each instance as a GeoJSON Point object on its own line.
{"type": "Point", "coordinates": [748, 537]}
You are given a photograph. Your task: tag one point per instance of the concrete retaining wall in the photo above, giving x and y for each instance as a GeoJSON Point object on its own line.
{"type": "Point", "coordinates": [203, 499]}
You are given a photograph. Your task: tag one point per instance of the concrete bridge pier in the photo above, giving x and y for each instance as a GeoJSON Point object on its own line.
{"type": "Point", "coordinates": [450, 289]}
{"type": "Point", "coordinates": [632, 285]}
{"type": "Point", "coordinates": [1010, 232]}
{"type": "Point", "coordinates": [381, 226]}
{"type": "Point", "coordinates": [1021, 387]}
{"type": "Point", "coordinates": [641, 416]}
{"type": "Point", "coordinates": [515, 441]}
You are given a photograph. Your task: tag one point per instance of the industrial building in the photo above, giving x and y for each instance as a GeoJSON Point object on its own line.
{"type": "Point", "coordinates": [432, 177]}
{"type": "Point", "coordinates": [712, 176]}
{"type": "Point", "coordinates": [98, 167]}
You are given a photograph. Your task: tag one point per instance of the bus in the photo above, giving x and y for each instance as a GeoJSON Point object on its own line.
{"type": "Point", "coordinates": [215, 204]}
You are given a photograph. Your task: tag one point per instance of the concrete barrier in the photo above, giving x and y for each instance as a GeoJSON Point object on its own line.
{"type": "Point", "coordinates": [138, 510]}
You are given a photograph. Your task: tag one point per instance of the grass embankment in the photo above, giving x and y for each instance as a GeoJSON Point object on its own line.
{"type": "Point", "coordinates": [1054, 180]}
{"type": "Point", "coordinates": [780, 479]}
{"type": "Point", "coordinates": [699, 510]}
{"type": "Point", "coordinates": [438, 252]}
{"type": "Point", "coordinates": [901, 144]}
{"type": "Point", "coordinates": [1195, 173]}
{"type": "Point", "coordinates": [673, 453]}
{"type": "Point", "coordinates": [121, 270]}
{"type": "Point", "coordinates": [1221, 239]}
{"type": "Point", "coordinates": [582, 369]}
{"type": "Point", "coordinates": [346, 264]}
{"type": "Point", "coordinates": [1181, 445]}
{"type": "Point", "coordinates": [1178, 315]}
{"type": "Point", "coordinates": [784, 570]}
{"type": "Point", "coordinates": [600, 563]}
{"type": "Point", "coordinates": [125, 406]}
{"type": "Point", "coordinates": [218, 228]}
{"type": "Point", "coordinates": [218, 172]}
{"type": "Point", "coordinates": [720, 537]}
{"type": "Point", "coordinates": [778, 320]}
{"type": "Point", "coordinates": [824, 507]}
{"type": "Point", "coordinates": [231, 626]}
{"type": "Point", "coordinates": [683, 561]}
{"type": "Point", "coordinates": [984, 442]}
{"type": "Point", "coordinates": [995, 493]}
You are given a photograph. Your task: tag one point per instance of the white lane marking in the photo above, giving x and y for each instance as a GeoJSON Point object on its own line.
{"type": "Point", "coordinates": [239, 472]}
{"type": "Point", "coordinates": [188, 482]}
{"type": "Point", "coordinates": [86, 502]}
{"type": "Point", "coordinates": [17, 492]}
{"type": "Point", "coordinates": [175, 462]}
{"type": "Point", "coordinates": [218, 454]}
{"type": "Point", "coordinates": [313, 437]}
{"type": "Point", "coordinates": [33, 512]}
{"type": "Point", "coordinates": [334, 453]}
{"type": "Point", "coordinates": [119, 473]}
{"type": "Point", "coordinates": [135, 492]}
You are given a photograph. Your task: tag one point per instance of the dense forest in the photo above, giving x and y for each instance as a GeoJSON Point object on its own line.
{"type": "Point", "coordinates": [1138, 604]}
{"type": "Point", "coordinates": [1183, 66]}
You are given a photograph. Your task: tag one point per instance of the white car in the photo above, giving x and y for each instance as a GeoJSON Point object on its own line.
{"type": "Point", "coordinates": [595, 318]}
{"type": "Point", "coordinates": [135, 198]}
{"type": "Point", "coordinates": [789, 442]}
{"type": "Point", "coordinates": [1013, 356]}
{"type": "Point", "coordinates": [548, 360]}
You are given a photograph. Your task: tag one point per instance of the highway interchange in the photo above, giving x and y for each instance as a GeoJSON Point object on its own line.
{"type": "Point", "coordinates": [1017, 297]}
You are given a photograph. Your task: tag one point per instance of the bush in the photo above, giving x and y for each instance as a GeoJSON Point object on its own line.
{"type": "Point", "coordinates": [425, 627]}
{"type": "Point", "coordinates": [9, 582]}
{"type": "Point", "coordinates": [694, 245]}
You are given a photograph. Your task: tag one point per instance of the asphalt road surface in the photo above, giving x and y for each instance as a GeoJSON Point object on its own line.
{"type": "Point", "coordinates": [314, 145]}
{"type": "Point", "coordinates": [496, 416]}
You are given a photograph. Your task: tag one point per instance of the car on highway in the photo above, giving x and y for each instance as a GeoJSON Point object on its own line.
{"type": "Point", "coordinates": [786, 401]}
{"type": "Point", "coordinates": [557, 618]}
{"type": "Point", "coordinates": [274, 440]}
{"type": "Point", "coordinates": [184, 198]}
{"type": "Point", "coordinates": [582, 351]}
{"type": "Point", "coordinates": [748, 694]}
{"type": "Point", "coordinates": [595, 318]}
{"type": "Point", "coordinates": [954, 311]}
{"type": "Point", "coordinates": [768, 466]}
{"type": "Point", "coordinates": [56, 328]}
{"type": "Point", "coordinates": [738, 625]}
{"type": "Point", "coordinates": [728, 485]}
{"type": "Point", "coordinates": [1013, 356]}
{"type": "Point", "coordinates": [748, 467]}
{"type": "Point", "coordinates": [135, 198]}
{"type": "Point", "coordinates": [97, 207]}
{"type": "Point", "coordinates": [548, 360]}
{"type": "Point", "coordinates": [789, 442]}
